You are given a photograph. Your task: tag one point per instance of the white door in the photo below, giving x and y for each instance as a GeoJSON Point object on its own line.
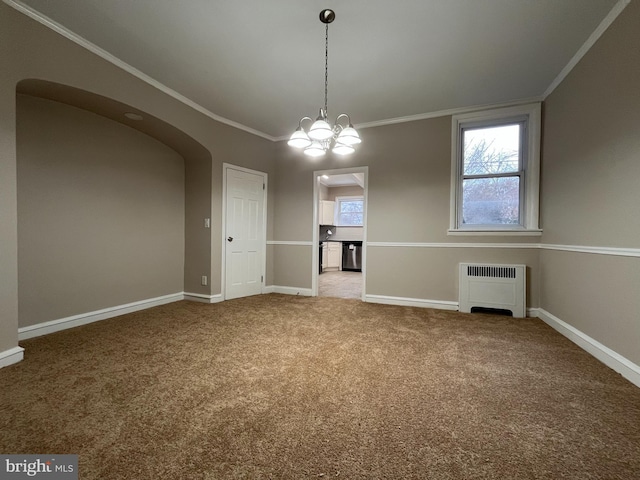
{"type": "Point", "coordinates": [244, 233]}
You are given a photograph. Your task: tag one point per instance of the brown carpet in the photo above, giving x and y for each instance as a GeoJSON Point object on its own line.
{"type": "Point", "coordinates": [287, 387]}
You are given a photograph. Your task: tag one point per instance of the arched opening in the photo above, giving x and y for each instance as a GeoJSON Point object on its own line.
{"type": "Point", "coordinates": [107, 216]}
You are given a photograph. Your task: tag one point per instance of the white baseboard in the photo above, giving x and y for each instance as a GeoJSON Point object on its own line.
{"type": "Point", "coordinates": [11, 356]}
{"type": "Point", "coordinates": [613, 360]}
{"type": "Point", "coordinates": [198, 297]}
{"type": "Point", "coordinates": [533, 312]}
{"type": "Point", "coordinates": [76, 320]}
{"type": "Point", "coordinates": [412, 302]}
{"type": "Point", "coordinates": [305, 292]}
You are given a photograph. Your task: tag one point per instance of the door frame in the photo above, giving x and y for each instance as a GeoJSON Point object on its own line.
{"type": "Point", "coordinates": [265, 178]}
{"type": "Point", "coordinates": [316, 233]}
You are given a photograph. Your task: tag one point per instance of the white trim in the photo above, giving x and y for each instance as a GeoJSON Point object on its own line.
{"type": "Point", "coordinates": [533, 312]}
{"type": "Point", "coordinates": [301, 243]}
{"type": "Point", "coordinates": [615, 251]}
{"type": "Point", "coordinates": [436, 114]}
{"type": "Point", "coordinates": [86, 44]}
{"type": "Point", "coordinates": [448, 112]}
{"type": "Point", "coordinates": [531, 195]}
{"type": "Point", "coordinates": [305, 292]}
{"type": "Point", "coordinates": [454, 245]}
{"type": "Point", "coordinates": [198, 297]}
{"type": "Point", "coordinates": [364, 170]}
{"type": "Point", "coordinates": [336, 210]}
{"type": "Point", "coordinates": [469, 232]}
{"type": "Point", "coordinates": [11, 356]}
{"type": "Point", "coordinates": [223, 230]}
{"type": "Point", "coordinates": [412, 302]}
{"type": "Point", "coordinates": [586, 46]}
{"type": "Point", "coordinates": [613, 360]}
{"type": "Point", "coordinates": [612, 251]}
{"type": "Point", "coordinates": [95, 316]}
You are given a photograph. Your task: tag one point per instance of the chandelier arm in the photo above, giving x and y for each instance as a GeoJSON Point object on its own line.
{"type": "Point", "coordinates": [303, 119]}
{"type": "Point", "coordinates": [343, 115]}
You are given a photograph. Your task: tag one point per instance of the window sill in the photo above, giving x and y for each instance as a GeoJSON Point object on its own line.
{"type": "Point", "coordinates": [496, 232]}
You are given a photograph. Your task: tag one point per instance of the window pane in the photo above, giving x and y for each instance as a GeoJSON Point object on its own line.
{"type": "Point", "coordinates": [351, 212]}
{"type": "Point", "coordinates": [491, 150]}
{"type": "Point", "coordinates": [353, 219]}
{"type": "Point", "coordinates": [491, 201]}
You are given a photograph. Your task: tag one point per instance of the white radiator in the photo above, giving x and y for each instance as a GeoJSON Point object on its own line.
{"type": "Point", "coordinates": [493, 286]}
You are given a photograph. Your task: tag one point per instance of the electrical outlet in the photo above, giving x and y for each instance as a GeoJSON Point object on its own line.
{"type": "Point", "coordinates": [204, 280]}
{"type": "Point", "coordinates": [207, 223]}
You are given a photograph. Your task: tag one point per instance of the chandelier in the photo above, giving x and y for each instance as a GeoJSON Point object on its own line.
{"type": "Point", "coordinates": [320, 136]}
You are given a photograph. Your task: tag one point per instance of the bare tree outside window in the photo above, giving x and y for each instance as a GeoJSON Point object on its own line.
{"type": "Point", "coordinates": [492, 171]}
{"type": "Point", "coordinates": [351, 212]}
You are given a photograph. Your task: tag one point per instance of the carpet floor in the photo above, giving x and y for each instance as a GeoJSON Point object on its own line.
{"type": "Point", "coordinates": [285, 387]}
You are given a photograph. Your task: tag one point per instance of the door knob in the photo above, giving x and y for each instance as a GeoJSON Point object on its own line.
{"type": "Point", "coordinates": [230, 239]}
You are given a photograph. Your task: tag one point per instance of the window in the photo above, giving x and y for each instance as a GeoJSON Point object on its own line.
{"type": "Point", "coordinates": [495, 171]}
{"type": "Point", "coordinates": [349, 211]}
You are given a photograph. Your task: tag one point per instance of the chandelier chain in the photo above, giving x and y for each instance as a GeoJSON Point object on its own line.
{"type": "Point", "coordinates": [326, 67]}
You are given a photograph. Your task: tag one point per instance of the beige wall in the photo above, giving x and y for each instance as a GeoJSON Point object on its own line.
{"type": "Point", "coordinates": [409, 168]}
{"type": "Point", "coordinates": [8, 203]}
{"type": "Point", "coordinates": [590, 194]}
{"type": "Point", "coordinates": [292, 266]}
{"type": "Point", "coordinates": [100, 213]}
{"type": "Point", "coordinates": [431, 273]}
{"type": "Point", "coordinates": [30, 50]}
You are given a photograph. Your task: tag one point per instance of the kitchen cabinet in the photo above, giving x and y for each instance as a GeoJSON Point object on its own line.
{"type": "Point", "coordinates": [335, 255]}
{"type": "Point", "coordinates": [325, 212]}
{"type": "Point", "coordinates": [331, 255]}
{"type": "Point", "coordinates": [325, 255]}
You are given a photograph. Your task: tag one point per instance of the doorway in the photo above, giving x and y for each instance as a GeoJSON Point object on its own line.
{"type": "Point", "coordinates": [340, 212]}
{"type": "Point", "coordinates": [244, 231]}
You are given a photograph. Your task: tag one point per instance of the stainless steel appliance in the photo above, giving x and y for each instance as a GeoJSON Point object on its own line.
{"type": "Point", "coordinates": [352, 256]}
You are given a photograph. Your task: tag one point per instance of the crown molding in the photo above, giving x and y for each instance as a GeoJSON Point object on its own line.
{"type": "Point", "coordinates": [438, 113]}
{"type": "Point", "coordinates": [86, 44]}
{"type": "Point", "coordinates": [448, 112]}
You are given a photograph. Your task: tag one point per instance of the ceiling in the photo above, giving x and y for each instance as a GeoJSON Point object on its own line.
{"type": "Point", "coordinates": [342, 180]}
{"type": "Point", "coordinates": [260, 64]}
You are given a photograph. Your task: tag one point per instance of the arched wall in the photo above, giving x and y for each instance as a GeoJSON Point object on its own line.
{"type": "Point", "coordinates": [101, 215]}
{"type": "Point", "coordinates": [197, 162]}
{"type": "Point", "coordinates": [29, 50]}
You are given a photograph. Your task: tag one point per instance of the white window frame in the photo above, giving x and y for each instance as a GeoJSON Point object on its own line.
{"type": "Point", "coordinates": [336, 213]}
{"type": "Point", "coordinates": [530, 198]}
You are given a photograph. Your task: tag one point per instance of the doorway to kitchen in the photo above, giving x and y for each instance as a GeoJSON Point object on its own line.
{"type": "Point", "coordinates": [340, 213]}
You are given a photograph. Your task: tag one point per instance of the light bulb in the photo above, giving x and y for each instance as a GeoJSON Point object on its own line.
{"type": "Point", "coordinates": [320, 130]}
{"type": "Point", "coordinates": [299, 139]}
{"type": "Point", "coordinates": [349, 136]}
{"type": "Point", "coordinates": [314, 150]}
{"type": "Point", "coordinates": [343, 149]}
